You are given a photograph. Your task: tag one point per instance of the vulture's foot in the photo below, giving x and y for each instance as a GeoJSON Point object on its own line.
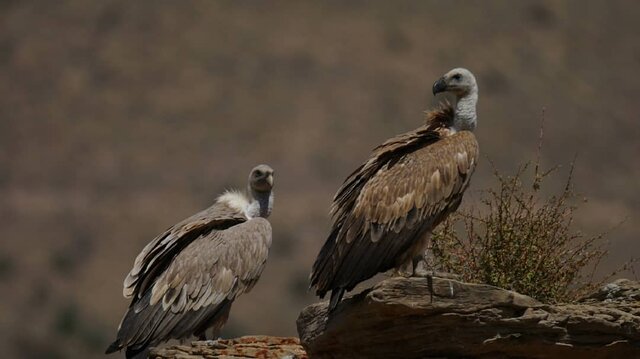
{"type": "Point", "coordinates": [400, 273]}
{"type": "Point", "coordinates": [419, 267]}
{"type": "Point", "coordinates": [406, 270]}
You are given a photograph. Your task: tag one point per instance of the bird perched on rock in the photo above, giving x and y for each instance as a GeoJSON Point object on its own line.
{"type": "Point", "coordinates": [184, 282]}
{"type": "Point", "coordinates": [385, 210]}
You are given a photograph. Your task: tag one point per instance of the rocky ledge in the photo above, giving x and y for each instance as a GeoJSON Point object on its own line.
{"type": "Point", "coordinates": [263, 347]}
{"type": "Point", "coordinates": [397, 319]}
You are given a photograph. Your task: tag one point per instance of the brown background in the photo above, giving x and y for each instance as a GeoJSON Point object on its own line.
{"type": "Point", "coordinates": [119, 118]}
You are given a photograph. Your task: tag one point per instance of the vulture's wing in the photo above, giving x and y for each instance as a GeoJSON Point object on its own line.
{"type": "Point", "coordinates": [157, 255]}
{"type": "Point", "coordinates": [405, 189]}
{"type": "Point", "coordinates": [198, 287]}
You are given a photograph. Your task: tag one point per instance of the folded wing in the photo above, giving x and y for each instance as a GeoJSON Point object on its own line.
{"type": "Point", "coordinates": [157, 255]}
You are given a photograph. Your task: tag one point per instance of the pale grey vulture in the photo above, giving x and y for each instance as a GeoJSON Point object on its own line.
{"type": "Point", "coordinates": [385, 210]}
{"type": "Point", "coordinates": [184, 282]}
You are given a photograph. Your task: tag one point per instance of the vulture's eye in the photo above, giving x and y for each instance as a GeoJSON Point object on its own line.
{"type": "Point", "coordinates": [257, 174]}
{"type": "Point", "coordinates": [457, 77]}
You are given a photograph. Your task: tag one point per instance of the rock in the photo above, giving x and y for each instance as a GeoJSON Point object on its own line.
{"type": "Point", "coordinates": [263, 347]}
{"type": "Point", "coordinates": [623, 294]}
{"type": "Point", "coordinates": [396, 319]}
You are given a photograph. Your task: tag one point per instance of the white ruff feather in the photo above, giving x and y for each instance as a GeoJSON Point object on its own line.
{"type": "Point", "coordinates": [236, 200]}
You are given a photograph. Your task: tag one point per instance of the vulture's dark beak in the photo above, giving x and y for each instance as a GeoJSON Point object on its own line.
{"type": "Point", "coordinates": [439, 86]}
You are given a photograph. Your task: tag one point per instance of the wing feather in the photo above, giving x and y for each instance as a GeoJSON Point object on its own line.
{"type": "Point", "coordinates": [156, 256]}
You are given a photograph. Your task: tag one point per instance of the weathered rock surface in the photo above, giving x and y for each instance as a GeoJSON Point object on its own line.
{"type": "Point", "coordinates": [263, 347]}
{"type": "Point", "coordinates": [396, 319]}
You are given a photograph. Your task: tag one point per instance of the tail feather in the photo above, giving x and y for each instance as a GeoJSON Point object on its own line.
{"type": "Point", "coordinates": [114, 347]}
{"type": "Point", "coordinates": [130, 352]}
{"type": "Point", "coordinates": [336, 297]}
{"type": "Point", "coordinates": [322, 271]}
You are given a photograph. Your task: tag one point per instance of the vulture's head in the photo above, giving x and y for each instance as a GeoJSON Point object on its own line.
{"type": "Point", "coordinates": [261, 178]}
{"type": "Point", "coordinates": [458, 81]}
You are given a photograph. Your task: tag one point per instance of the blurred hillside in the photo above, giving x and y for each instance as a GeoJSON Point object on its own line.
{"type": "Point", "coordinates": [120, 118]}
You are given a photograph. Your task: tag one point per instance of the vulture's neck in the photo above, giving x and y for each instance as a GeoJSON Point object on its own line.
{"type": "Point", "coordinates": [261, 204]}
{"type": "Point", "coordinates": [465, 113]}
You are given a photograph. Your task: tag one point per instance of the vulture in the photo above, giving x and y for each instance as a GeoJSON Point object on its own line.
{"type": "Point", "coordinates": [184, 282]}
{"type": "Point", "coordinates": [384, 212]}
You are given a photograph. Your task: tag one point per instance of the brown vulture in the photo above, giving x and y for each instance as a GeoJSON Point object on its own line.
{"type": "Point", "coordinates": [385, 210]}
{"type": "Point", "coordinates": [184, 282]}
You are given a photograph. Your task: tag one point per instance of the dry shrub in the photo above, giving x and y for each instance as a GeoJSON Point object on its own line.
{"type": "Point", "coordinates": [521, 240]}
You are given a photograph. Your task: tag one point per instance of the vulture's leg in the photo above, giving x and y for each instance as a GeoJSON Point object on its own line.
{"type": "Point", "coordinates": [422, 272]}
{"type": "Point", "coordinates": [419, 258]}
{"type": "Point", "coordinates": [418, 270]}
{"type": "Point", "coordinates": [404, 270]}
